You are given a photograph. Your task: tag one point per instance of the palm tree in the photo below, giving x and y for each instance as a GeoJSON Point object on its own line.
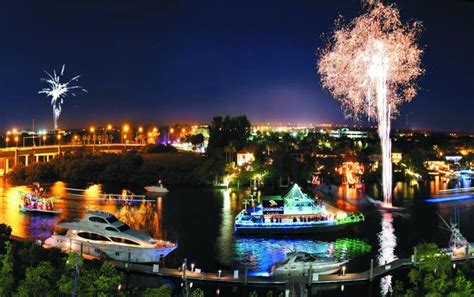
{"type": "Point", "coordinates": [229, 151]}
{"type": "Point", "coordinates": [246, 202]}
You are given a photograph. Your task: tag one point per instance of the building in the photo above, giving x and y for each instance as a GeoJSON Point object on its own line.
{"type": "Point", "coordinates": [345, 132]}
{"type": "Point", "coordinates": [244, 157]}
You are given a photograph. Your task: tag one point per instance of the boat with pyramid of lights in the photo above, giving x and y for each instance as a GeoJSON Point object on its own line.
{"type": "Point", "coordinates": [293, 213]}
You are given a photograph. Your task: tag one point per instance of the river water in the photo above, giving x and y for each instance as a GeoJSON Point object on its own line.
{"type": "Point", "coordinates": [201, 221]}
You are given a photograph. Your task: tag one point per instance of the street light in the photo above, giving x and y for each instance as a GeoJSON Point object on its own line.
{"type": "Point", "coordinates": [109, 127]}
{"type": "Point", "coordinates": [58, 137]}
{"type": "Point", "coordinates": [44, 139]}
{"type": "Point", "coordinates": [170, 132]}
{"type": "Point", "coordinates": [125, 130]}
{"type": "Point", "coordinates": [92, 130]}
{"type": "Point", "coordinates": [7, 140]}
{"type": "Point", "coordinates": [16, 140]}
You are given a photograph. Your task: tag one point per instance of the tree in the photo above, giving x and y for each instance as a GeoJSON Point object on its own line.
{"type": "Point", "coordinates": [38, 281]}
{"type": "Point", "coordinates": [197, 139]}
{"type": "Point", "coordinates": [6, 271]}
{"type": "Point", "coordinates": [5, 233]}
{"type": "Point", "coordinates": [91, 282]}
{"type": "Point", "coordinates": [197, 293]}
{"type": "Point", "coordinates": [435, 276]}
{"type": "Point", "coordinates": [163, 291]}
{"type": "Point", "coordinates": [107, 281]}
{"type": "Point", "coordinates": [224, 131]}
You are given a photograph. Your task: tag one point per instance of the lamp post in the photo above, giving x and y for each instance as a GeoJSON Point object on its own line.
{"type": "Point", "coordinates": [170, 132]}
{"type": "Point", "coordinates": [16, 140]}
{"type": "Point", "coordinates": [92, 130]}
{"type": "Point", "coordinates": [140, 134]}
{"type": "Point", "coordinates": [44, 139]}
{"type": "Point", "coordinates": [109, 129]}
{"type": "Point", "coordinates": [125, 130]}
{"type": "Point", "coordinates": [7, 139]}
{"type": "Point", "coordinates": [58, 137]}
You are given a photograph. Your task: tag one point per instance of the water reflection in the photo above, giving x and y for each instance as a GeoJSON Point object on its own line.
{"type": "Point", "coordinates": [225, 238]}
{"type": "Point", "coordinates": [202, 221]}
{"type": "Point", "coordinates": [387, 243]}
{"type": "Point", "coordinates": [259, 254]}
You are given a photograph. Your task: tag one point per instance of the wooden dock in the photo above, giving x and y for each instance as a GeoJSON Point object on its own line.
{"type": "Point", "coordinates": [241, 278]}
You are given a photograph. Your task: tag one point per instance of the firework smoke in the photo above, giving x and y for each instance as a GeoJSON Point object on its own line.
{"type": "Point", "coordinates": [58, 91]}
{"type": "Point", "coordinates": [373, 58]}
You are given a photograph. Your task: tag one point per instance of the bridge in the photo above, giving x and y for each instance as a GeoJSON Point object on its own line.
{"type": "Point", "coordinates": [13, 156]}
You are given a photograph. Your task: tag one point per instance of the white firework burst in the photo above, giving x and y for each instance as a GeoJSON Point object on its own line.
{"type": "Point", "coordinates": [58, 90]}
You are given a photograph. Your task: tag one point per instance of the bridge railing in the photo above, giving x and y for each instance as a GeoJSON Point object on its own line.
{"type": "Point", "coordinates": [111, 145]}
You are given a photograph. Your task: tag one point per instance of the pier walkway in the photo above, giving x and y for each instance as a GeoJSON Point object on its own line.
{"type": "Point", "coordinates": [242, 278]}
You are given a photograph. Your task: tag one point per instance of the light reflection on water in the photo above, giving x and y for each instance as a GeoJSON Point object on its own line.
{"type": "Point", "coordinates": [202, 221]}
{"type": "Point", "coordinates": [388, 243]}
{"type": "Point", "coordinates": [259, 254]}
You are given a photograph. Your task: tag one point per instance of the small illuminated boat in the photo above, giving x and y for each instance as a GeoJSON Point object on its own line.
{"type": "Point", "coordinates": [36, 203]}
{"type": "Point", "coordinates": [293, 213]}
{"type": "Point", "coordinates": [101, 234]}
{"type": "Point", "coordinates": [157, 189]}
{"type": "Point", "coordinates": [299, 263]}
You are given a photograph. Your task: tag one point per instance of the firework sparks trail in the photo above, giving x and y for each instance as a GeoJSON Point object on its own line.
{"type": "Point", "coordinates": [375, 56]}
{"type": "Point", "coordinates": [58, 91]}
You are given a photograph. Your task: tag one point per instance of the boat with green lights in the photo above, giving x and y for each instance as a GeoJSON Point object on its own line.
{"type": "Point", "coordinates": [293, 213]}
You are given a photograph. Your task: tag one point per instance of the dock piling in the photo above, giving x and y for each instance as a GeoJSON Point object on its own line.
{"type": "Point", "coordinates": [371, 272]}
{"type": "Point", "coordinates": [414, 256]}
{"type": "Point", "coordinates": [310, 276]}
{"type": "Point", "coordinates": [246, 276]}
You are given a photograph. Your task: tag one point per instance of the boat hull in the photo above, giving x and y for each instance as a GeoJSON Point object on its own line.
{"type": "Point", "coordinates": [115, 252]}
{"type": "Point", "coordinates": [284, 271]}
{"type": "Point", "coordinates": [277, 229]}
{"type": "Point", "coordinates": [154, 189]}
{"type": "Point", "coordinates": [50, 212]}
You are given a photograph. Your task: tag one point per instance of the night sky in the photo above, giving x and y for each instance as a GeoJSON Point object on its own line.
{"type": "Point", "coordinates": [185, 61]}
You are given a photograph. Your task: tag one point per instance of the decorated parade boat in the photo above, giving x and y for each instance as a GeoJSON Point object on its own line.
{"type": "Point", "coordinates": [293, 212]}
{"type": "Point", "coordinates": [37, 201]}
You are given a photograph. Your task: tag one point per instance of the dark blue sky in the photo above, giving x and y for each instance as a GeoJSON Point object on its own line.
{"type": "Point", "coordinates": [168, 61]}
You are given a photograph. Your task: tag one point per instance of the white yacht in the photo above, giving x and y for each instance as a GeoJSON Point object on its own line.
{"type": "Point", "coordinates": [298, 263]}
{"type": "Point", "coordinates": [101, 234]}
{"type": "Point", "coordinates": [157, 189]}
